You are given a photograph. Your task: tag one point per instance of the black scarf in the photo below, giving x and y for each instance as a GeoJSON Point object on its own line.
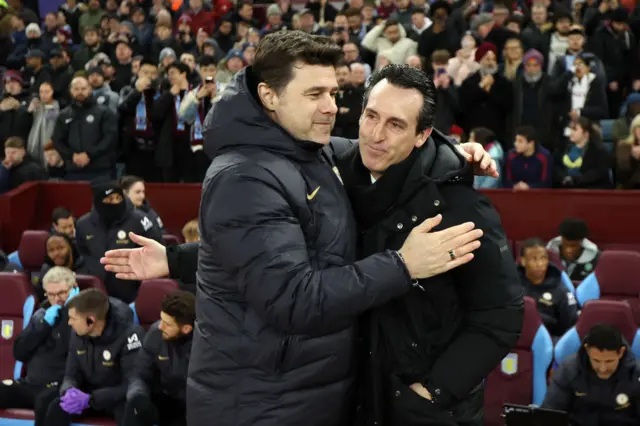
{"type": "Point", "coordinates": [372, 201]}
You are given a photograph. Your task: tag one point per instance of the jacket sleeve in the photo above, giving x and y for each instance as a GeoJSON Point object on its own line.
{"type": "Point", "coordinates": [109, 132]}
{"type": "Point", "coordinates": [72, 374]}
{"type": "Point", "coordinates": [272, 265]}
{"type": "Point", "coordinates": [144, 368]}
{"type": "Point", "coordinates": [491, 295]}
{"type": "Point", "coordinates": [30, 339]}
{"type": "Point", "coordinates": [129, 102]}
{"type": "Point", "coordinates": [60, 138]}
{"type": "Point", "coordinates": [162, 107]}
{"type": "Point", "coordinates": [598, 170]}
{"type": "Point", "coordinates": [567, 311]}
{"type": "Point", "coordinates": [104, 398]}
{"type": "Point", "coordinates": [183, 262]}
{"type": "Point", "coordinates": [560, 391]}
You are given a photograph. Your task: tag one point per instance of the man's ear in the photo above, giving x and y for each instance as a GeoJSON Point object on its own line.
{"type": "Point", "coordinates": [421, 138]}
{"type": "Point", "coordinates": [268, 96]}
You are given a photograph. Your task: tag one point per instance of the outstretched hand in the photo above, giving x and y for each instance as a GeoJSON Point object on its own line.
{"type": "Point", "coordinates": [146, 262]}
{"type": "Point", "coordinates": [483, 164]}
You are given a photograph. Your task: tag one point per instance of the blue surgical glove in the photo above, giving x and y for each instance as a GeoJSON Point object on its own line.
{"type": "Point", "coordinates": [73, 293]}
{"type": "Point", "coordinates": [52, 313]}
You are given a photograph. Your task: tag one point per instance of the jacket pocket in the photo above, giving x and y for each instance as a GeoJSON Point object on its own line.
{"type": "Point", "coordinates": [407, 408]}
{"type": "Point", "coordinates": [282, 353]}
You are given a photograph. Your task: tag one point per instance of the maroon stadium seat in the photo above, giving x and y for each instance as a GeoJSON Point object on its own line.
{"type": "Point", "coordinates": [16, 307]}
{"type": "Point", "coordinates": [618, 274]}
{"type": "Point", "coordinates": [170, 240]}
{"type": "Point", "coordinates": [89, 281]}
{"type": "Point", "coordinates": [149, 300]}
{"type": "Point", "coordinates": [611, 312]}
{"type": "Point", "coordinates": [521, 376]}
{"type": "Point", "coordinates": [32, 249]}
{"type": "Point", "coordinates": [619, 246]}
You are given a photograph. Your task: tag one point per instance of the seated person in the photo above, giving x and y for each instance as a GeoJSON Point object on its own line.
{"type": "Point", "coordinates": [190, 232]}
{"type": "Point", "coordinates": [134, 189]}
{"type": "Point", "coordinates": [107, 227]}
{"type": "Point", "coordinates": [17, 167]}
{"type": "Point", "coordinates": [528, 164]}
{"type": "Point", "coordinates": [102, 351]}
{"type": "Point", "coordinates": [542, 282]}
{"type": "Point", "coordinates": [157, 393]}
{"type": "Point", "coordinates": [55, 164]}
{"type": "Point", "coordinates": [579, 255]}
{"type": "Point", "coordinates": [599, 385]}
{"type": "Point", "coordinates": [60, 251]}
{"type": "Point", "coordinates": [43, 347]}
{"type": "Point", "coordinates": [585, 162]}
{"type": "Point", "coordinates": [63, 222]}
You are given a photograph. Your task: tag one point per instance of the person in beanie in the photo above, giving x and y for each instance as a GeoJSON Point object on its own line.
{"type": "Point", "coordinates": [102, 92]}
{"type": "Point", "coordinates": [106, 227]}
{"type": "Point", "coordinates": [486, 96]}
{"type": "Point", "coordinates": [15, 120]}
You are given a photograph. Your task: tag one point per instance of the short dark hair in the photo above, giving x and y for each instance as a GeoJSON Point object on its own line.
{"type": "Point", "coordinates": [605, 337]}
{"type": "Point", "coordinates": [14, 142]}
{"type": "Point", "coordinates": [483, 135]}
{"type": "Point", "coordinates": [60, 213]}
{"type": "Point", "coordinates": [390, 23]}
{"type": "Point", "coordinates": [342, 63]}
{"type": "Point", "coordinates": [181, 306]}
{"type": "Point", "coordinates": [573, 229]}
{"type": "Point", "coordinates": [278, 53]}
{"type": "Point", "coordinates": [530, 243]}
{"type": "Point", "coordinates": [182, 68]}
{"type": "Point", "coordinates": [207, 61]}
{"type": "Point", "coordinates": [128, 181]}
{"type": "Point", "coordinates": [91, 302]}
{"type": "Point", "coordinates": [527, 132]}
{"type": "Point", "coordinates": [408, 78]}
{"type": "Point", "coordinates": [352, 11]}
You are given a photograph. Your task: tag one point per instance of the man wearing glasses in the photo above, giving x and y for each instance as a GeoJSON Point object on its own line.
{"type": "Point", "coordinates": [43, 347]}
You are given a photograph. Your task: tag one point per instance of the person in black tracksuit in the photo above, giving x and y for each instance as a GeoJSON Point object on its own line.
{"type": "Point", "coordinates": [86, 128]}
{"type": "Point", "coordinates": [107, 227]}
{"type": "Point", "coordinates": [157, 393]}
{"type": "Point", "coordinates": [542, 282]}
{"type": "Point", "coordinates": [102, 352]}
{"type": "Point", "coordinates": [42, 346]}
{"type": "Point", "coordinates": [417, 343]}
{"type": "Point", "coordinates": [600, 384]}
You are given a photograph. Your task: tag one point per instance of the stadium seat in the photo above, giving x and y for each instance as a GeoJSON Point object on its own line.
{"type": "Point", "coordinates": [146, 308]}
{"type": "Point", "coordinates": [170, 240]}
{"type": "Point", "coordinates": [606, 126]}
{"type": "Point", "coordinates": [9, 416]}
{"type": "Point", "coordinates": [521, 377]}
{"type": "Point", "coordinates": [32, 250]}
{"type": "Point", "coordinates": [616, 277]}
{"type": "Point", "coordinates": [17, 304]}
{"type": "Point", "coordinates": [619, 247]}
{"type": "Point", "coordinates": [89, 281]}
{"type": "Point", "coordinates": [613, 312]}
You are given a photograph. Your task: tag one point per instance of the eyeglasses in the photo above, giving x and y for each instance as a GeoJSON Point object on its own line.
{"type": "Point", "coordinates": [60, 294]}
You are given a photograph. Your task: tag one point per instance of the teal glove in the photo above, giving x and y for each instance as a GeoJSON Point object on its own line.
{"type": "Point", "coordinates": [73, 293]}
{"type": "Point", "coordinates": [52, 313]}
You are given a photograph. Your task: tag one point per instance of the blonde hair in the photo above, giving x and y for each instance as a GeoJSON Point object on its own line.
{"type": "Point", "coordinates": [59, 274]}
{"type": "Point", "coordinates": [190, 231]}
{"type": "Point", "coordinates": [631, 139]}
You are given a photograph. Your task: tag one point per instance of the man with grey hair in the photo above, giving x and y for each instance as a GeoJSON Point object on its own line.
{"type": "Point", "coordinates": [43, 347]}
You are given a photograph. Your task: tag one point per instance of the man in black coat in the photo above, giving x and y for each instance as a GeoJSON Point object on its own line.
{"type": "Point", "coordinates": [599, 385]}
{"type": "Point", "coordinates": [102, 351]}
{"type": "Point", "coordinates": [278, 263]}
{"type": "Point", "coordinates": [42, 346]}
{"type": "Point", "coordinates": [157, 393]}
{"type": "Point", "coordinates": [401, 172]}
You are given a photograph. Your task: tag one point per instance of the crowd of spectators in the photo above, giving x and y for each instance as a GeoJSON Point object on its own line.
{"type": "Point", "coordinates": [101, 87]}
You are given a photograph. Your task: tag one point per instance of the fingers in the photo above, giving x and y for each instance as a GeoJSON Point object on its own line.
{"type": "Point", "coordinates": [118, 268]}
{"type": "Point", "coordinates": [126, 276]}
{"type": "Point", "coordinates": [455, 231]}
{"type": "Point", "coordinates": [478, 155]}
{"type": "Point", "coordinates": [459, 242]}
{"type": "Point", "coordinates": [494, 169]}
{"type": "Point", "coordinates": [111, 255]}
{"type": "Point", "coordinates": [459, 261]}
{"type": "Point", "coordinates": [140, 240]}
{"type": "Point", "coordinates": [428, 224]}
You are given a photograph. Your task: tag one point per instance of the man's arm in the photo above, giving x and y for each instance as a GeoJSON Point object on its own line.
{"type": "Point", "coordinates": [144, 366]}
{"type": "Point", "coordinates": [72, 373]}
{"type": "Point", "coordinates": [109, 135]}
{"type": "Point", "coordinates": [31, 337]}
{"type": "Point", "coordinates": [490, 294]}
{"type": "Point", "coordinates": [258, 239]}
{"type": "Point", "coordinates": [109, 396]}
{"type": "Point", "coordinates": [560, 392]}
{"type": "Point", "coordinates": [60, 138]}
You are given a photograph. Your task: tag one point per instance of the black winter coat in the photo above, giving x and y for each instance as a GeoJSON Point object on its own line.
{"type": "Point", "coordinates": [426, 335]}
{"type": "Point", "coordinates": [278, 289]}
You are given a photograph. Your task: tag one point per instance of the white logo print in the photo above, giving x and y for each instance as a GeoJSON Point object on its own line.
{"type": "Point", "coordinates": [122, 235]}
{"type": "Point", "coordinates": [106, 355]}
{"type": "Point", "coordinates": [89, 118]}
{"type": "Point", "coordinates": [133, 342]}
{"type": "Point", "coordinates": [146, 224]}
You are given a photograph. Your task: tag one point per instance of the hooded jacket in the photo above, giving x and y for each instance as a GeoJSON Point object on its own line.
{"type": "Point", "coordinates": [591, 401]}
{"type": "Point", "coordinates": [425, 335]}
{"type": "Point", "coordinates": [102, 366]}
{"type": "Point", "coordinates": [557, 306]}
{"type": "Point", "coordinates": [278, 289]}
{"type": "Point", "coordinates": [583, 265]}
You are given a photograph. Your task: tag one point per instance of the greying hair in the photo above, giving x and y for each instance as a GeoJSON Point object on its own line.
{"type": "Point", "coordinates": [59, 274]}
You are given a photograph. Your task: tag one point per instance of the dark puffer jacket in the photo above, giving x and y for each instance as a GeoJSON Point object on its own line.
{"type": "Point", "coordinates": [278, 289]}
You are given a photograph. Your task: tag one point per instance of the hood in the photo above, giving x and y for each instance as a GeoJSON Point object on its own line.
{"type": "Point", "coordinates": [589, 250]}
{"type": "Point", "coordinates": [238, 121]}
{"type": "Point", "coordinates": [127, 211]}
{"type": "Point", "coordinates": [551, 280]}
{"type": "Point", "coordinates": [119, 319]}
{"type": "Point", "coordinates": [145, 207]}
